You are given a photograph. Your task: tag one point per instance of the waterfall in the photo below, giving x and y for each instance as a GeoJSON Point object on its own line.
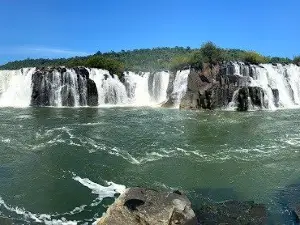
{"type": "Point", "coordinates": [15, 87]}
{"type": "Point", "coordinates": [110, 89]}
{"type": "Point", "coordinates": [59, 87]}
{"type": "Point", "coordinates": [281, 79]}
{"type": "Point", "coordinates": [137, 89]}
{"type": "Point", "coordinates": [159, 86]}
{"type": "Point", "coordinates": [180, 86]}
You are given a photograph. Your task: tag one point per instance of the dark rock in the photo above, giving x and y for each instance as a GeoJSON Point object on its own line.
{"type": "Point", "coordinates": [53, 85]}
{"type": "Point", "coordinates": [204, 79]}
{"type": "Point", "coordinates": [214, 87]}
{"type": "Point", "coordinates": [82, 72]}
{"type": "Point", "coordinates": [250, 95]}
{"type": "Point", "coordinates": [242, 99]}
{"type": "Point", "coordinates": [276, 97]}
{"type": "Point", "coordinates": [5, 221]}
{"type": "Point", "coordinates": [132, 204]}
{"type": "Point", "coordinates": [233, 213]}
{"type": "Point", "coordinates": [170, 102]}
{"type": "Point", "coordinates": [296, 210]}
{"type": "Point", "coordinates": [139, 206]}
{"type": "Point", "coordinates": [92, 93]}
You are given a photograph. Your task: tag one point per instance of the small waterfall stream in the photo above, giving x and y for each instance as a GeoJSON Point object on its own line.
{"type": "Point", "coordinates": [15, 87]}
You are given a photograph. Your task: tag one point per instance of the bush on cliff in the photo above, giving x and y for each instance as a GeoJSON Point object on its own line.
{"type": "Point", "coordinates": [254, 58]}
{"type": "Point", "coordinates": [296, 60]}
{"type": "Point", "coordinates": [278, 60]}
{"type": "Point", "coordinates": [196, 60]}
{"type": "Point", "coordinates": [211, 53]}
{"type": "Point", "coordinates": [100, 62]}
{"type": "Point", "coordinates": [179, 63]}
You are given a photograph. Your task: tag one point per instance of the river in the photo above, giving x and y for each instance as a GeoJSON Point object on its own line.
{"type": "Point", "coordinates": [58, 165]}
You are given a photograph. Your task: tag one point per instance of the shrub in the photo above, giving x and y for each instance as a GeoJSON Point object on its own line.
{"type": "Point", "coordinates": [296, 60]}
{"type": "Point", "coordinates": [211, 53]}
{"type": "Point", "coordinates": [196, 60]}
{"type": "Point", "coordinates": [254, 58]}
{"type": "Point", "coordinates": [179, 63]}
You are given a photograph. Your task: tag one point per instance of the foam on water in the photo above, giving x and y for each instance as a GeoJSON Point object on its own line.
{"type": "Point", "coordinates": [102, 191]}
{"type": "Point", "coordinates": [38, 218]}
{"type": "Point", "coordinates": [59, 219]}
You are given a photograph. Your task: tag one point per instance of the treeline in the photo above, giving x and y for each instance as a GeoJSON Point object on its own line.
{"type": "Point", "coordinates": [154, 59]}
{"type": "Point", "coordinates": [212, 54]}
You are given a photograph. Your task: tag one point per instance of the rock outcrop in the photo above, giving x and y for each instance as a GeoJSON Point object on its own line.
{"type": "Point", "coordinates": [233, 213]}
{"type": "Point", "coordinates": [217, 86]}
{"type": "Point", "coordinates": [140, 206]}
{"type": "Point", "coordinates": [63, 87]}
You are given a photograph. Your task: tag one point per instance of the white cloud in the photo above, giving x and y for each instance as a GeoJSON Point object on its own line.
{"type": "Point", "coordinates": [41, 51]}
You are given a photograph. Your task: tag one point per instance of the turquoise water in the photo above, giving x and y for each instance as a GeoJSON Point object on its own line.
{"type": "Point", "coordinates": [55, 162]}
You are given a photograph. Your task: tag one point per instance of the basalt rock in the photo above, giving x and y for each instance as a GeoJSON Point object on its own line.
{"type": "Point", "coordinates": [250, 97]}
{"type": "Point", "coordinates": [276, 97]}
{"type": "Point", "coordinates": [139, 206]}
{"type": "Point", "coordinates": [63, 87]}
{"type": "Point", "coordinates": [233, 213]}
{"type": "Point", "coordinates": [216, 86]}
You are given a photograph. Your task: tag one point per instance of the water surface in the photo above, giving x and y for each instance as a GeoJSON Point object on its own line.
{"type": "Point", "coordinates": [55, 162]}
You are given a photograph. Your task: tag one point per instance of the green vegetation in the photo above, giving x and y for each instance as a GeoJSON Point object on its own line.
{"type": "Point", "coordinates": [297, 60]}
{"type": "Point", "coordinates": [154, 59]}
{"type": "Point", "coordinates": [211, 53]}
{"type": "Point", "coordinates": [254, 58]}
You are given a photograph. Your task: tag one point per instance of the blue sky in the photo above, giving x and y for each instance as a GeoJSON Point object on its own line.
{"type": "Point", "coordinates": [64, 28]}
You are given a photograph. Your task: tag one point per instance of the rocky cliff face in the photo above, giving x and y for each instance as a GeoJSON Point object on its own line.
{"type": "Point", "coordinates": [63, 87]}
{"type": "Point", "coordinates": [140, 206]}
{"type": "Point", "coordinates": [218, 86]}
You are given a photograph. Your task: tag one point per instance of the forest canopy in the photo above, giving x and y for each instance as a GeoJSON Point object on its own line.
{"type": "Point", "coordinates": [154, 59]}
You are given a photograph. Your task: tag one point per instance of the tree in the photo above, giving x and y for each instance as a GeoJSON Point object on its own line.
{"type": "Point", "coordinates": [254, 58]}
{"type": "Point", "coordinates": [196, 60]}
{"type": "Point", "coordinates": [211, 53]}
{"type": "Point", "coordinates": [179, 63]}
{"type": "Point", "coordinates": [296, 60]}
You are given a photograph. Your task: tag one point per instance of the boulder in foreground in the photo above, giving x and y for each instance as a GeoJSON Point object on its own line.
{"type": "Point", "coordinates": [140, 206]}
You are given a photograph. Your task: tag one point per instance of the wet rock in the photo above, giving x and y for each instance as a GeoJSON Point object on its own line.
{"type": "Point", "coordinates": [296, 210]}
{"type": "Point", "coordinates": [92, 93]}
{"type": "Point", "coordinates": [53, 86]}
{"type": "Point", "coordinates": [139, 206]}
{"type": "Point", "coordinates": [242, 99]}
{"type": "Point", "coordinates": [233, 213]}
{"type": "Point", "coordinates": [5, 221]}
{"type": "Point", "coordinates": [276, 97]}
{"type": "Point", "coordinates": [250, 96]}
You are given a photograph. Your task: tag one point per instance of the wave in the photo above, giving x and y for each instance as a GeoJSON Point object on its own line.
{"type": "Point", "coordinates": [101, 191]}
{"type": "Point", "coordinates": [60, 219]}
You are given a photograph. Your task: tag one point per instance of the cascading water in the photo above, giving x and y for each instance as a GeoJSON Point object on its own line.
{"type": "Point", "coordinates": [180, 86]}
{"type": "Point", "coordinates": [281, 79]}
{"type": "Point", "coordinates": [110, 89]}
{"type": "Point", "coordinates": [69, 87]}
{"type": "Point", "coordinates": [138, 89]}
{"type": "Point", "coordinates": [158, 89]}
{"type": "Point", "coordinates": [15, 87]}
{"type": "Point", "coordinates": [63, 87]}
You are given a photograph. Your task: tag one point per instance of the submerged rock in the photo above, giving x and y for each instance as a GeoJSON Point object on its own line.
{"type": "Point", "coordinates": [232, 213]}
{"type": "Point", "coordinates": [140, 206]}
{"type": "Point", "coordinates": [5, 221]}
